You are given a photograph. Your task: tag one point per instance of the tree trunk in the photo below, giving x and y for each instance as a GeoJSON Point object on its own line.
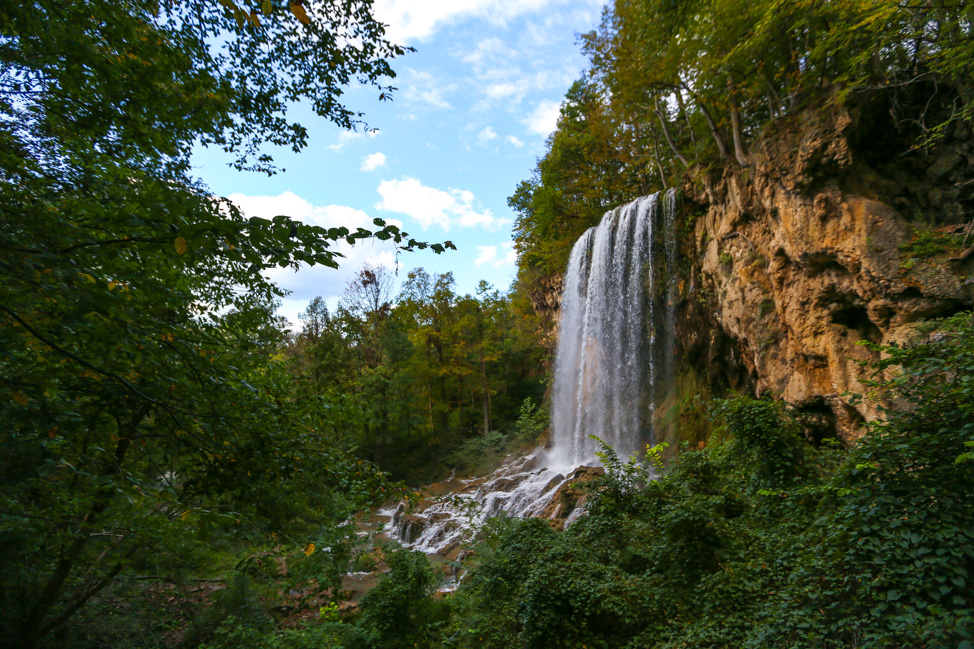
{"type": "Point", "coordinates": [666, 134]}
{"type": "Point", "coordinates": [485, 401]}
{"type": "Point", "coordinates": [460, 402]}
{"type": "Point", "coordinates": [686, 115]}
{"type": "Point", "coordinates": [659, 164]}
{"type": "Point", "coordinates": [714, 131]}
{"type": "Point", "coordinates": [429, 400]}
{"type": "Point", "coordinates": [774, 101]}
{"type": "Point", "coordinates": [735, 116]}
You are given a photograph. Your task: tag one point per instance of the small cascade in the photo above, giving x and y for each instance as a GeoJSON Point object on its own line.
{"type": "Point", "coordinates": [614, 365]}
{"type": "Point", "coordinates": [521, 487]}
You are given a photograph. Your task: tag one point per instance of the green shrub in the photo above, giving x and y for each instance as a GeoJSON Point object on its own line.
{"type": "Point", "coordinates": [928, 243]}
{"type": "Point", "coordinates": [235, 634]}
{"type": "Point", "coordinates": [532, 422]}
{"type": "Point", "coordinates": [891, 555]}
{"type": "Point", "coordinates": [759, 540]}
{"type": "Point", "coordinates": [766, 439]}
{"type": "Point", "coordinates": [398, 612]}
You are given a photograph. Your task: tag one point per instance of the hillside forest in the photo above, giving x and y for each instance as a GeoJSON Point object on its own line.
{"type": "Point", "coordinates": [179, 468]}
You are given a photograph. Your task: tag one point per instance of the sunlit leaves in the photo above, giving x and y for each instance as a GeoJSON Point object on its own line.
{"type": "Point", "coordinates": [299, 12]}
{"type": "Point", "coordinates": [665, 74]}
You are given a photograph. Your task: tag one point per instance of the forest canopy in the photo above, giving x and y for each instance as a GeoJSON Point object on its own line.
{"type": "Point", "coordinates": [673, 86]}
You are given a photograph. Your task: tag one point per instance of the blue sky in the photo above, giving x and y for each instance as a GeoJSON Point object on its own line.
{"type": "Point", "coordinates": [474, 105]}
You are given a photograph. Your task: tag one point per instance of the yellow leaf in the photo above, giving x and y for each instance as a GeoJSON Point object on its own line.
{"type": "Point", "coordinates": [310, 548]}
{"type": "Point", "coordinates": [300, 14]}
{"type": "Point", "coordinates": [229, 5]}
{"type": "Point", "coordinates": [266, 6]}
{"type": "Point", "coordinates": [112, 285]}
{"type": "Point", "coordinates": [254, 19]}
{"type": "Point", "coordinates": [181, 246]}
{"type": "Point", "coordinates": [240, 16]}
{"type": "Point", "coordinates": [19, 398]}
{"type": "Point", "coordinates": [89, 278]}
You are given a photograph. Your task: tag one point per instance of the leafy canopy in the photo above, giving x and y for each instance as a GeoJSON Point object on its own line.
{"type": "Point", "coordinates": [144, 400]}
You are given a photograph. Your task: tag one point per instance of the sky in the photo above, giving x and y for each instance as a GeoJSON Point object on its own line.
{"type": "Point", "coordinates": [473, 107]}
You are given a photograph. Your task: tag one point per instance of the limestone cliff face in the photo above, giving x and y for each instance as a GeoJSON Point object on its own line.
{"type": "Point", "coordinates": [801, 255]}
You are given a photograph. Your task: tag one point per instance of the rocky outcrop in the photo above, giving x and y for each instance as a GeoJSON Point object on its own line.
{"type": "Point", "coordinates": [796, 260]}
{"type": "Point", "coordinates": [570, 497]}
{"type": "Point", "coordinates": [545, 295]}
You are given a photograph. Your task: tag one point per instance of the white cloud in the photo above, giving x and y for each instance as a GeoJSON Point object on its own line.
{"type": "Point", "coordinates": [309, 282]}
{"type": "Point", "coordinates": [489, 256]}
{"type": "Point", "coordinates": [424, 87]}
{"type": "Point", "coordinates": [509, 72]}
{"type": "Point", "coordinates": [486, 135]}
{"type": "Point", "coordinates": [515, 141]}
{"type": "Point", "coordinates": [503, 90]}
{"type": "Point", "coordinates": [430, 206]}
{"type": "Point", "coordinates": [544, 118]}
{"type": "Point", "coordinates": [487, 52]}
{"type": "Point", "coordinates": [410, 20]}
{"type": "Point", "coordinates": [373, 161]}
{"type": "Point", "coordinates": [351, 136]}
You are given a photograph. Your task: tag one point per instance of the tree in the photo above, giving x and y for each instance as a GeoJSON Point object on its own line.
{"type": "Point", "coordinates": [591, 165]}
{"type": "Point", "coordinates": [140, 386]}
{"type": "Point", "coordinates": [367, 302]}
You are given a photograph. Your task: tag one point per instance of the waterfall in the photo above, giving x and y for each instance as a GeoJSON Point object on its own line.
{"type": "Point", "coordinates": [614, 365]}
{"type": "Point", "coordinates": [616, 340]}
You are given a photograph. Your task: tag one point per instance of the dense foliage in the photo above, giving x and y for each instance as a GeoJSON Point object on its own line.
{"type": "Point", "coordinates": [674, 85]}
{"type": "Point", "coordinates": [425, 379]}
{"type": "Point", "coordinates": [146, 410]}
{"type": "Point", "coordinates": [759, 540]}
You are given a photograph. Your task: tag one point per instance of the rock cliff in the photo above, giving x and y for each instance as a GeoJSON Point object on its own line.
{"type": "Point", "coordinates": [813, 248]}
{"type": "Point", "coordinates": [835, 233]}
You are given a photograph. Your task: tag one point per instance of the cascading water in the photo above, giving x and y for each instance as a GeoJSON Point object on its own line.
{"type": "Point", "coordinates": [617, 332]}
{"type": "Point", "coordinates": [612, 368]}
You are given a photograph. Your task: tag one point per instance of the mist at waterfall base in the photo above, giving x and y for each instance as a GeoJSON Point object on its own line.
{"type": "Point", "coordinates": [612, 367]}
